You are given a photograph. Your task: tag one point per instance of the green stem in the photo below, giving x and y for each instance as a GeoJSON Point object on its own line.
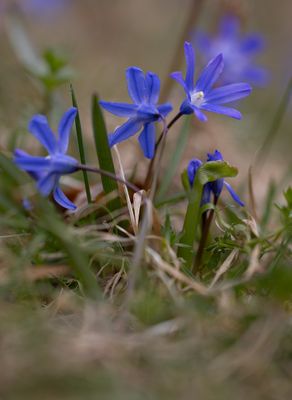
{"type": "Point", "coordinates": [108, 174]}
{"type": "Point", "coordinates": [205, 232]}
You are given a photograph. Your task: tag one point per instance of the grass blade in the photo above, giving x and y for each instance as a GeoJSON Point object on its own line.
{"type": "Point", "coordinates": [80, 145]}
{"type": "Point", "coordinates": [79, 259]}
{"type": "Point", "coordinates": [275, 125]}
{"type": "Point", "coordinates": [103, 151]}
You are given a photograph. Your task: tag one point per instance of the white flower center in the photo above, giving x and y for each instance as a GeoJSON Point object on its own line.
{"type": "Point", "coordinates": [197, 98]}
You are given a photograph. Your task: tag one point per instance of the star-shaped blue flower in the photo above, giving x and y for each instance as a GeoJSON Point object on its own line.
{"type": "Point", "coordinates": [144, 91]}
{"type": "Point", "coordinates": [238, 52]}
{"type": "Point", "coordinates": [48, 170]}
{"type": "Point", "coordinates": [215, 187]}
{"type": "Point", "coordinates": [202, 96]}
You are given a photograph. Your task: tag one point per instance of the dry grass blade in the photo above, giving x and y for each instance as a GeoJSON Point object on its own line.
{"type": "Point", "coordinates": [253, 351]}
{"type": "Point", "coordinates": [32, 274]}
{"type": "Point", "coordinates": [224, 267]}
{"type": "Point", "coordinates": [254, 263]}
{"type": "Point", "coordinates": [252, 224]}
{"type": "Point", "coordinates": [128, 200]}
{"type": "Point", "coordinates": [137, 203]}
{"type": "Point", "coordinates": [178, 275]}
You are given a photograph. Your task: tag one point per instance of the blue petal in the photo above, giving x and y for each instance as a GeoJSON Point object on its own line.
{"type": "Point", "coordinates": [63, 164]}
{"type": "Point", "coordinates": [147, 140]}
{"type": "Point", "coordinates": [36, 174]}
{"type": "Point", "coordinates": [216, 156]}
{"type": "Point", "coordinates": [187, 107]}
{"type": "Point", "coordinates": [233, 194]}
{"type": "Point", "coordinates": [206, 196]}
{"type": "Point", "coordinates": [257, 75]}
{"type": "Point", "coordinates": [164, 109]}
{"type": "Point", "coordinates": [120, 109]}
{"type": "Point", "coordinates": [229, 26]}
{"type": "Point", "coordinates": [47, 183]}
{"type": "Point", "coordinates": [27, 204]}
{"type": "Point", "coordinates": [217, 186]}
{"type": "Point", "coordinates": [63, 200]}
{"type": "Point", "coordinates": [124, 131]}
{"type": "Point", "coordinates": [190, 61]}
{"type": "Point", "coordinates": [228, 93]}
{"type": "Point", "coordinates": [179, 78]}
{"type": "Point", "coordinates": [192, 169]}
{"type": "Point", "coordinates": [20, 153]}
{"type": "Point", "coordinates": [136, 84]}
{"type": "Point", "coordinates": [41, 130]}
{"type": "Point", "coordinates": [30, 163]}
{"type": "Point", "coordinates": [152, 87]}
{"type": "Point", "coordinates": [147, 113]}
{"type": "Point", "coordinates": [252, 44]}
{"type": "Point", "coordinates": [65, 126]}
{"type": "Point", "coordinates": [203, 41]}
{"type": "Point", "coordinates": [201, 117]}
{"type": "Point", "coordinates": [230, 112]}
{"type": "Point", "coordinates": [210, 74]}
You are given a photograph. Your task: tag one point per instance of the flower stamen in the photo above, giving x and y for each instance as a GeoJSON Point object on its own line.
{"type": "Point", "coordinates": [197, 98]}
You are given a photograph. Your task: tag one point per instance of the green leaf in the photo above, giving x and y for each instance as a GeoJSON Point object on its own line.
{"type": "Point", "coordinates": [174, 160]}
{"type": "Point", "coordinates": [185, 181]}
{"type": "Point", "coordinates": [288, 197]}
{"type": "Point", "coordinates": [23, 47]}
{"type": "Point", "coordinates": [103, 151]}
{"type": "Point", "coordinates": [80, 145]}
{"type": "Point", "coordinates": [271, 193]}
{"type": "Point", "coordinates": [55, 60]}
{"type": "Point", "coordinates": [213, 170]}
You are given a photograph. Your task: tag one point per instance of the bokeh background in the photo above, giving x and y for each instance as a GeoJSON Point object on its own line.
{"type": "Point", "coordinates": [54, 344]}
{"type": "Point", "coordinates": [100, 39]}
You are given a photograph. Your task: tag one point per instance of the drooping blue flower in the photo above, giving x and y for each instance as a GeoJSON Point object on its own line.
{"type": "Point", "coordinates": [47, 171]}
{"type": "Point", "coordinates": [144, 91]}
{"type": "Point", "coordinates": [211, 188]}
{"type": "Point", "coordinates": [202, 96]}
{"type": "Point", "coordinates": [238, 51]}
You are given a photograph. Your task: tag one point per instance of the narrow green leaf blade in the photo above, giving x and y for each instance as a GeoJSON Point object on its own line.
{"type": "Point", "coordinates": [103, 150]}
{"type": "Point", "coordinates": [79, 259]}
{"type": "Point", "coordinates": [80, 145]}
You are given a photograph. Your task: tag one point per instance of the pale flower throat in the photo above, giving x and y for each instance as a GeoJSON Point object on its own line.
{"type": "Point", "coordinates": [197, 98]}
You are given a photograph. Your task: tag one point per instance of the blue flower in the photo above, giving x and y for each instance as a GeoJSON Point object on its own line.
{"type": "Point", "coordinates": [48, 170]}
{"type": "Point", "coordinates": [201, 96]}
{"type": "Point", "coordinates": [214, 187]}
{"type": "Point", "coordinates": [43, 7]}
{"type": "Point", "coordinates": [144, 91]}
{"type": "Point", "coordinates": [238, 52]}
